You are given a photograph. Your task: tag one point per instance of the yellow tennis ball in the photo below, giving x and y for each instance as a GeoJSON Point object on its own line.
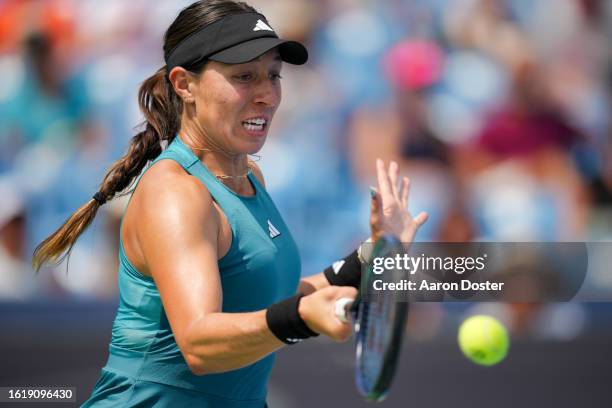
{"type": "Point", "coordinates": [483, 339]}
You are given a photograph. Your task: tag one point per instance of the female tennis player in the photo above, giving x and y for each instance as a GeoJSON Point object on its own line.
{"type": "Point", "coordinates": [209, 274]}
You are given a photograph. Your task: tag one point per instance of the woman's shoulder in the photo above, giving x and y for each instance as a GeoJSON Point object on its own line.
{"type": "Point", "coordinates": [167, 185]}
{"type": "Point", "coordinates": [169, 177]}
{"type": "Point", "coordinates": [167, 202]}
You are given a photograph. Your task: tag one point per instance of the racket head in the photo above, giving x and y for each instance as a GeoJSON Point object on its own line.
{"type": "Point", "coordinates": [379, 322]}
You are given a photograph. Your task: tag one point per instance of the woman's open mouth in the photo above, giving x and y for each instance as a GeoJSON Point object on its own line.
{"type": "Point", "coordinates": [255, 126]}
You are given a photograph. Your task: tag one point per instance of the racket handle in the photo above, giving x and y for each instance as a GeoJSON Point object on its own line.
{"type": "Point", "coordinates": [342, 309]}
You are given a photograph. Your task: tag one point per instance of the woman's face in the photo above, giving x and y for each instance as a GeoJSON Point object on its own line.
{"type": "Point", "coordinates": [235, 103]}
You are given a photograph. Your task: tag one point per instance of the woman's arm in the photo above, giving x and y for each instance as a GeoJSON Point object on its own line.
{"type": "Point", "coordinates": [178, 231]}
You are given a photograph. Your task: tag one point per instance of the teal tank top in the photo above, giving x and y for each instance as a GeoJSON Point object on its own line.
{"type": "Point", "coordinates": [261, 267]}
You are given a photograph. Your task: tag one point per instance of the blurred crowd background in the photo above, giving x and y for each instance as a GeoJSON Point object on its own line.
{"type": "Point", "coordinates": [498, 111]}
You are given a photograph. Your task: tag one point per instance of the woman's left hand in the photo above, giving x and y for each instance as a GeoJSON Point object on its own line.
{"type": "Point", "coordinates": [389, 210]}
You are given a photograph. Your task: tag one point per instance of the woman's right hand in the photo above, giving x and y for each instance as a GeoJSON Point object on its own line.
{"type": "Point", "coordinates": [317, 311]}
{"type": "Point", "coordinates": [389, 209]}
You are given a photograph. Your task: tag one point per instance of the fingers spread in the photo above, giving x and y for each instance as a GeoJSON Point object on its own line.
{"type": "Point", "coordinates": [421, 218]}
{"type": "Point", "coordinates": [393, 176]}
{"type": "Point", "coordinates": [404, 191]}
{"type": "Point", "coordinates": [384, 184]}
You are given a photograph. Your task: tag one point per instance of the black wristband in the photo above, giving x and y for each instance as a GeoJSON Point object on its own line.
{"type": "Point", "coordinates": [285, 322]}
{"type": "Point", "coordinates": [345, 272]}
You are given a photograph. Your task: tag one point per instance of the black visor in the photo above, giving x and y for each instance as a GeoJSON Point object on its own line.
{"type": "Point", "coordinates": [235, 39]}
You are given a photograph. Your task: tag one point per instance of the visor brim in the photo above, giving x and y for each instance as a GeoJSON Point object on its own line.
{"type": "Point", "coordinates": [291, 52]}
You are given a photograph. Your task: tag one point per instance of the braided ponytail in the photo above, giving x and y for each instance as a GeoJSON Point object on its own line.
{"type": "Point", "coordinates": [161, 108]}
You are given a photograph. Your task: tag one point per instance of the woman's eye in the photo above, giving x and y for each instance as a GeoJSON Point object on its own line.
{"type": "Point", "coordinates": [245, 77]}
{"type": "Point", "coordinates": [275, 76]}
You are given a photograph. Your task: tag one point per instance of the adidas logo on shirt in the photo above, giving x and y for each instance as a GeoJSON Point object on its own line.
{"type": "Point", "coordinates": [262, 26]}
{"type": "Point", "coordinates": [273, 231]}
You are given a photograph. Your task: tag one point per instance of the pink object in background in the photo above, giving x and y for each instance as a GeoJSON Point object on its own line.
{"type": "Point", "coordinates": [413, 64]}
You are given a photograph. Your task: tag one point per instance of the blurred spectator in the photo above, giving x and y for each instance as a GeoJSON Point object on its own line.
{"type": "Point", "coordinates": [521, 176]}
{"type": "Point", "coordinates": [90, 271]}
{"type": "Point", "coordinates": [487, 26]}
{"type": "Point", "coordinates": [45, 106]}
{"type": "Point", "coordinates": [401, 130]}
{"type": "Point", "coordinates": [17, 277]}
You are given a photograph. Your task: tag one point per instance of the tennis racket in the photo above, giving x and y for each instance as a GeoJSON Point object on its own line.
{"type": "Point", "coordinates": [379, 321]}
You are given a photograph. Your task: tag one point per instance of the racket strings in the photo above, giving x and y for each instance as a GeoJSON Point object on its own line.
{"type": "Point", "coordinates": [380, 323]}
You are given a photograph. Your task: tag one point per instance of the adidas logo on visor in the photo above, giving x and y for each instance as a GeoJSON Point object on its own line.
{"type": "Point", "coordinates": [262, 26]}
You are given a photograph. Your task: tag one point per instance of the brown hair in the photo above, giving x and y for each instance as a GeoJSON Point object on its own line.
{"type": "Point", "coordinates": [162, 108]}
